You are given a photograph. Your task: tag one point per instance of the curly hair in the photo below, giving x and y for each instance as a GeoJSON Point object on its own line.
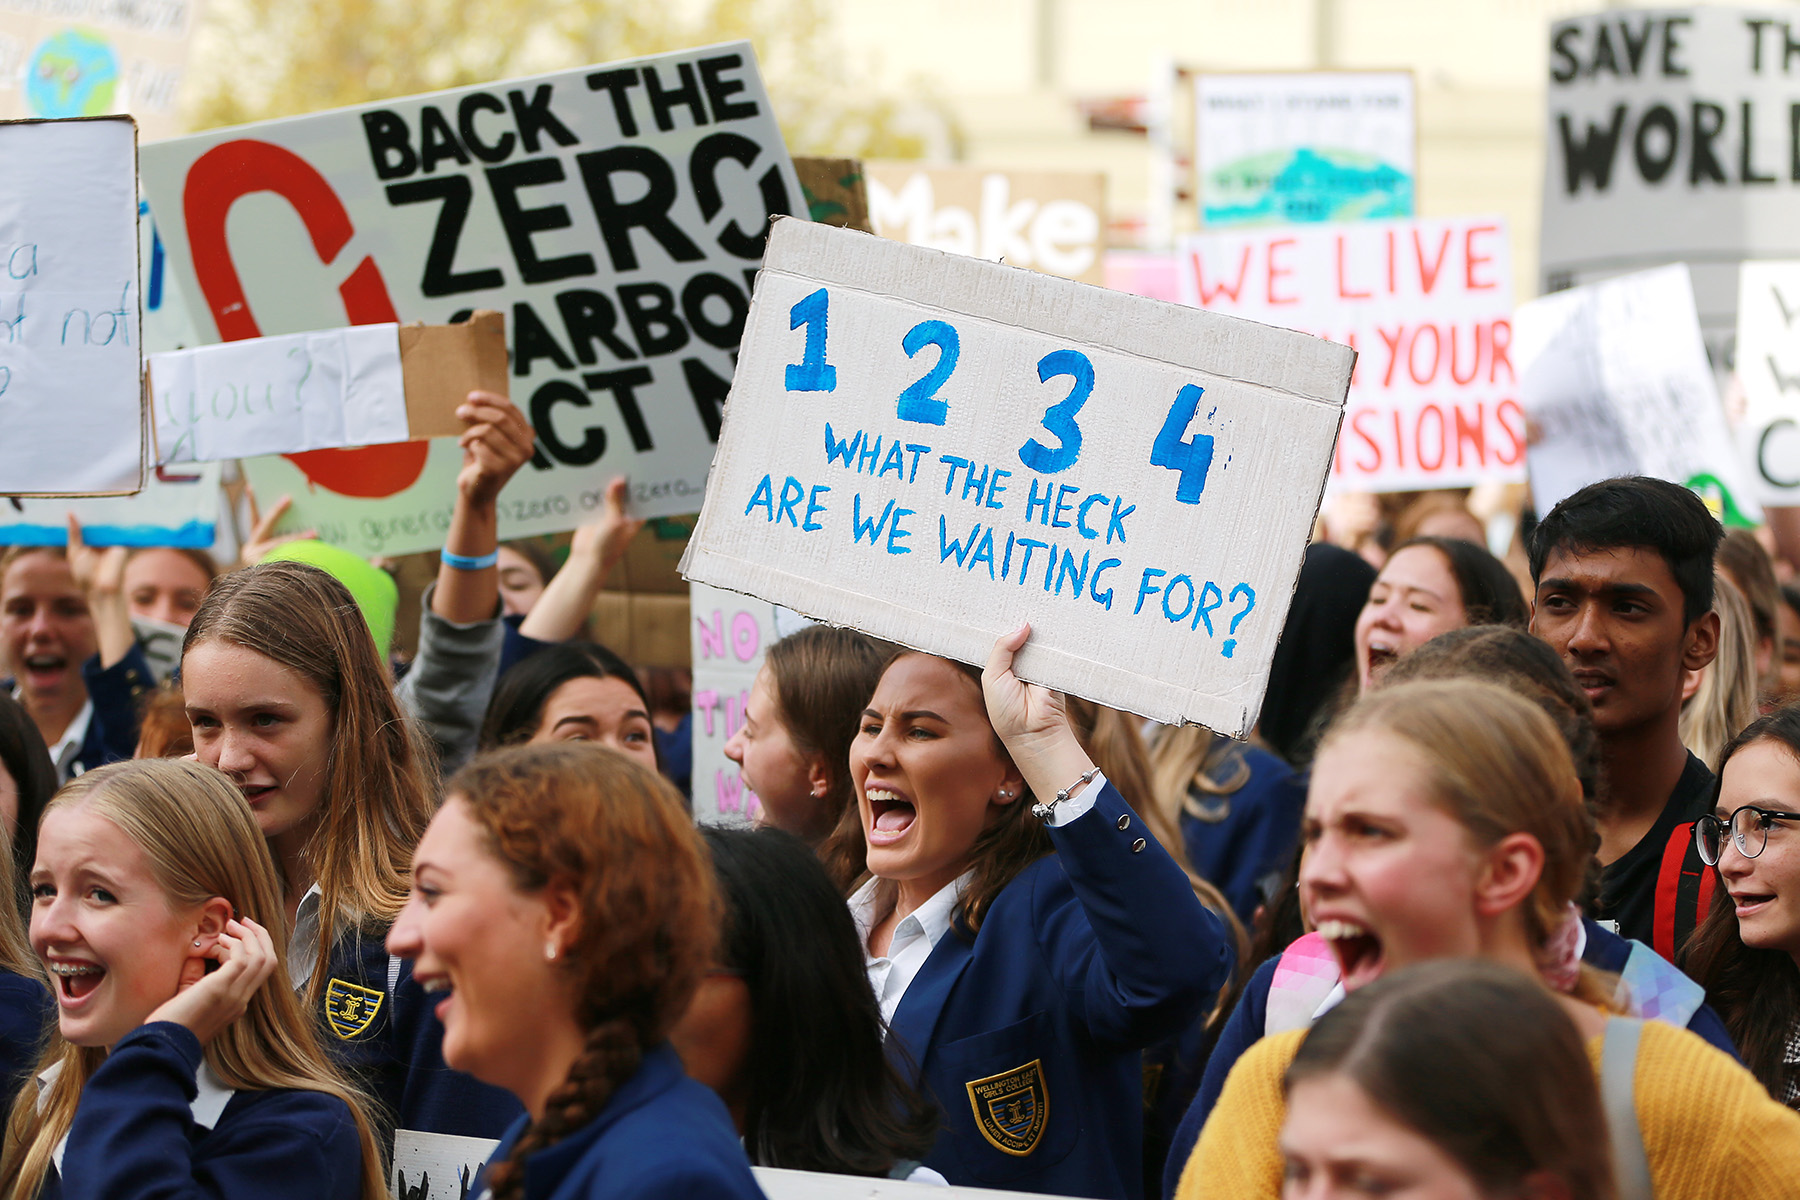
{"type": "Point", "coordinates": [585, 817]}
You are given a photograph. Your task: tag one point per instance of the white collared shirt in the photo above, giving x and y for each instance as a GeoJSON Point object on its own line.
{"type": "Point", "coordinates": [68, 746]}
{"type": "Point", "coordinates": [303, 943]}
{"type": "Point", "coordinates": [211, 1095]}
{"type": "Point", "coordinates": [915, 936]}
{"type": "Point", "coordinates": [919, 932]}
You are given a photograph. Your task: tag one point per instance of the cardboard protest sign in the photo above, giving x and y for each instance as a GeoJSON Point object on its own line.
{"type": "Point", "coordinates": [363, 385]}
{"type": "Point", "coordinates": [1287, 147]}
{"type": "Point", "coordinates": [933, 448]}
{"type": "Point", "coordinates": [1768, 364]}
{"type": "Point", "coordinates": [730, 634]}
{"type": "Point", "coordinates": [1615, 380]}
{"type": "Point", "coordinates": [836, 191]}
{"type": "Point", "coordinates": [178, 506]}
{"type": "Point", "coordinates": [1428, 304]}
{"type": "Point", "coordinates": [436, 1166]}
{"type": "Point", "coordinates": [1669, 135]}
{"type": "Point", "coordinates": [70, 398]}
{"type": "Point", "coordinates": [1051, 221]}
{"type": "Point", "coordinates": [85, 58]}
{"type": "Point", "coordinates": [615, 215]}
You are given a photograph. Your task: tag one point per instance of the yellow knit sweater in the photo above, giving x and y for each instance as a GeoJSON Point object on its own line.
{"type": "Point", "coordinates": [1709, 1129]}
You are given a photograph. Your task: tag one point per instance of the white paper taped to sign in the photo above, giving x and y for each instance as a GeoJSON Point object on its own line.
{"type": "Point", "coordinates": [1615, 380]}
{"type": "Point", "coordinates": [69, 341]}
{"type": "Point", "coordinates": [305, 391]}
{"type": "Point", "coordinates": [933, 449]}
{"type": "Point", "coordinates": [1768, 365]}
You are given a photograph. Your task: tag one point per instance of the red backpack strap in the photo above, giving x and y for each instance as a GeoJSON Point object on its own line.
{"type": "Point", "coordinates": [1684, 887]}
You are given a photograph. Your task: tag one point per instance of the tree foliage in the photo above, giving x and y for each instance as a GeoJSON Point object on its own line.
{"type": "Point", "coordinates": [257, 59]}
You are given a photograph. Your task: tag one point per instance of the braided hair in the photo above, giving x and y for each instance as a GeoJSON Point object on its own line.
{"type": "Point", "coordinates": [616, 833]}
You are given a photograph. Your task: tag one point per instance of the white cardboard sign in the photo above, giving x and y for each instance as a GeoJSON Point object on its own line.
{"type": "Point", "coordinates": [1615, 379]}
{"type": "Point", "coordinates": [178, 506]}
{"type": "Point", "coordinates": [437, 1166]}
{"type": "Point", "coordinates": [1051, 221]}
{"type": "Point", "coordinates": [1427, 304]}
{"type": "Point", "coordinates": [1669, 139]}
{"type": "Point", "coordinates": [1768, 364]}
{"type": "Point", "coordinates": [1302, 146]}
{"type": "Point", "coordinates": [933, 449]}
{"type": "Point", "coordinates": [303, 391]}
{"type": "Point", "coordinates": [613, 214]}
{"type": "Point", "coordinates": [70, 403]}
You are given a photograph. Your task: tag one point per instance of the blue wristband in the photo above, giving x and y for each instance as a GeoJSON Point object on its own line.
{"type": "Point", "coordinates": [469, 562]}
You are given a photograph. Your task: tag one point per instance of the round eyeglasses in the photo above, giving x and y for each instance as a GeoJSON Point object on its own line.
{"type": "Point", "coordinates": [1749, 828]}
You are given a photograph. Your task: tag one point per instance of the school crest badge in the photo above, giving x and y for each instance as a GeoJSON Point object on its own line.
{"type": "Point", "coordinates": [1012, 1108]}
{"type": "Point", "coordinates": [350, 1009]}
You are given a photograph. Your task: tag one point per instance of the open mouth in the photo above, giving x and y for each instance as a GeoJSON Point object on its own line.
{"type": "Point", "coordinates": [76, 981]}
{"type": "Point", "coordinates": [1381, 658]}
{"type": "Point", "coordinates": [1749, 902]}
{"type": "Point", "coordinates": [439, 989]}
{"type": "Point", "coordinates": [45, 664]}
{"type": "Point", "coordinates": [890, 814]}
{"type": "Point", "coordinates": [256, 793]}
{"type": "Point", "coordinates": [1594, 683]}
{"type": "Point", "coordinates": [1360, 956]}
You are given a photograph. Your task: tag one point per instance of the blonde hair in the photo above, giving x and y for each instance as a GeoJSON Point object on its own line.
{"type": "Point", "coordinates": [1725, 701]}
{"type": "Point", "coordinates": [15, 946]}
{"type": "Point", "coordinates": [201, 841]}
{"type": "Point", "coordinates": [380, 779]}
{"type": "Point", "coordinates": [1498, 766]}
{"type": "Point", "coordinates": [1112, 740]}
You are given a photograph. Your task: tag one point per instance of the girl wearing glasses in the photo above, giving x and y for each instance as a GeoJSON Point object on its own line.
{"type": "Point", "coordinates": [1746, 950]}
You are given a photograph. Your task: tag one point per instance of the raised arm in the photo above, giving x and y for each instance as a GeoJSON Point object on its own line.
{"type": "Point", "coordinates": [596, 549]}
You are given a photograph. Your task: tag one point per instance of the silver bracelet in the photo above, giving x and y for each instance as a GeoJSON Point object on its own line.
{"type": "Point", "coordinates": [1044, 811]}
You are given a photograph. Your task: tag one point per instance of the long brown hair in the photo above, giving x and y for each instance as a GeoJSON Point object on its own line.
{"type": "Point", "coordinates": [201, 841]}
{"type": "Point", "coordinates": [822, 678]}
{"type": "Point", "coordinates": [1498, 766]}
{"type": "Point", "coordinates": [618, 833]}
{"type": "Point", "coordinates": [1421, 1044]}
{"type": "Point", "coordinates": [379, 777]}
{"type": "Point", "coordinates": [1756, 991]}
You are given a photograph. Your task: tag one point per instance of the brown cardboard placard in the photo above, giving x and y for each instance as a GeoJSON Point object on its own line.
{"type": "Point", "coordinates": [442, 364]}
{"type": "Point", "coordinates": [836, 191]}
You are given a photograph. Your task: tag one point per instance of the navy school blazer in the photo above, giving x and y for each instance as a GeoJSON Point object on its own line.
{"type": "Point", "coordinates": [378, 1024]}
{"type": "Point", "coordinates": [1028, 1034]}
{"type": "Point", "coordinates": [661, 1137]}
{"type": "Point", "coordinates": [135, 1135]}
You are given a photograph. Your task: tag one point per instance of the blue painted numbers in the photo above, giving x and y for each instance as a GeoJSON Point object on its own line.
{"type": "Point", "coordinates": [812, 373]}
{"type": "Point", "coordinates": [919, 402]}
{"type": "Point", "coordinates": [1193, 457]}
{"type": "Point", "coordinates": [1059, 418]}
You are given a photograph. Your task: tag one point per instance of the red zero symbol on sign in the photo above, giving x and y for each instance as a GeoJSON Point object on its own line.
{"type": "Point", "coordinates": [216, 181]}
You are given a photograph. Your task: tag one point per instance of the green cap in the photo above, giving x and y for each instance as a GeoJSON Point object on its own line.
{"type": "Point", "coordinates": [374, 590]}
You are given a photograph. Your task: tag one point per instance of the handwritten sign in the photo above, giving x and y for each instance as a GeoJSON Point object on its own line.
{"type": "Point", "coordinates": [1615, 378]}
{"type": "Point", "coordinates": [437, 1166]}
{"type": "Point", "coordinates": [1289, 147]}
{"type": "Point", "coordinates": [69, 340]}
{"type": "Point", "coordinates": [178, 506]}
{"type": "Point", "coordinates": [1669, 139]}
{"type": "Point", "coordinates": [932, 449]}
{"type": "Point", "coordinates": [615, 214]}
{"type": "Point", "coordinates": [1428, 304]}
{"type": "Point", "coordinates": [1051, 221]}
{"type": "Point", "coordinates": [1768, 363]}
{"type": "Point", "coordinates": [81, 58]}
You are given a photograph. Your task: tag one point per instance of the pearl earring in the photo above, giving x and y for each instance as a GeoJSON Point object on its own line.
{"type": "Point", "coordinates": [550, 952]}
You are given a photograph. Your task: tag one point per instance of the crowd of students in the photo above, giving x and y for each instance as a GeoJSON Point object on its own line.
{"type": "Point", "coordinates": [1501, 899]}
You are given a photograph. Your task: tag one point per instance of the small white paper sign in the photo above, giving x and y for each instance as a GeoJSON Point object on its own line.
{"type": "Point", "coordinates": [279, 395]}
{"type": "Point", "coordinates": [70, 403]}
{"type": "Point", "coordinates": [932, 449]}
{"type": "Point", "coordinates": [1615, 381]}
{"type": "Point", "coordinates": [1768, 365]}
{"type": "Point", "coordinates": [437, 1166]}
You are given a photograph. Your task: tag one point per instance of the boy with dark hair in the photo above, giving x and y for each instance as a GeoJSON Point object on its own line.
{"type": "Point", "coordinates": [1623, 579]}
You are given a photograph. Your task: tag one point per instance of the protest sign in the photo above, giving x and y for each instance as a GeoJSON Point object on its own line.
{"type": "Point", "coordinates": [70, 398]}
{"type": "Point", "coordinates": [1428, 304]}
{"type": "Point", "coordinates": [178, 506]}
{"type": "Point", "coordinates": [1615, 381]}
{"type": "Point", "coordinates": [85, 58]}
{"type": "Point", "coordinates": [1287, 147]}
{"type": "Point", "coordinates": [436, 1166]}
{"type": "Point", "coordinates": [836, 191]}
{"type": "Point", "coordinates": [933, 449]}
{"type": "Point", "coordinates": [1051, 221]}
{"type": "Point", "coordinates": [1768, 364]}
{"type": "Point", "coordinates": [363, 385]}
{"type": "Point", "coordinates": [729, 633]}
{"type": "Point", "coordinates": [616, 215]}
{"type": "Point", "coordinates": [1670, 139]}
